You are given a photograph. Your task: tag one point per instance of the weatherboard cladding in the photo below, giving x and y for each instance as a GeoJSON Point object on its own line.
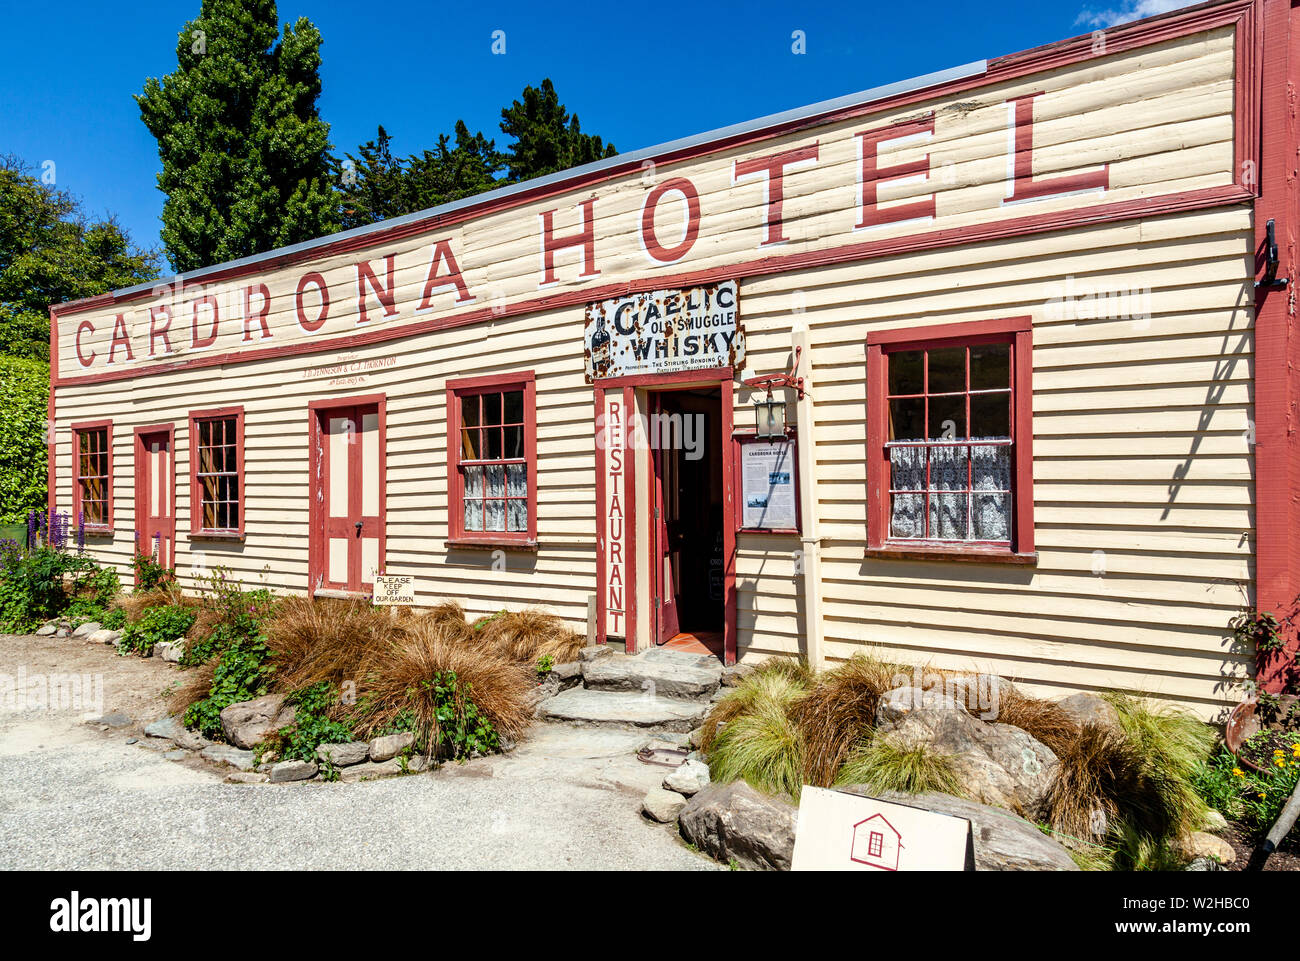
{"type": "Point", "coordinates": [1141, 423]}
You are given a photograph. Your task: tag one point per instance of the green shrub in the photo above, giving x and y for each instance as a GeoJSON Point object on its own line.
{"type": "Point", "coordinates": [149, 574]}
{"type": "Point", "coordinates": [243, 673]}
{"type": "Point", "coordinates": [39, 584]}
{"type": "Point", "coordinates": [24, 457]}
{"type": "Point", "coordinates": [157, 624]}
{"type": "Point", "coordinates": [889, 764]}
{"type": "Point", "coordinates": [1243, 794]}
{"type": "Point", "coordinates": [463, 731]}
{"type": "Point", "coordinates": [312, 724]}
{"type": "Point", "coordinates": [762, 745]}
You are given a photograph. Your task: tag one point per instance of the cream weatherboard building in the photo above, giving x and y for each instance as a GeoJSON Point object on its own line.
{"type": "Point", "coordinates": [1045, 418]}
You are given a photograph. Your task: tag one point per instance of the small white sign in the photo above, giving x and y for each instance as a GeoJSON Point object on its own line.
{"type": "Point", "coordinates": [394, 589]}
{"type": "Point", "coordinates": [767, 472]}
{"type": "Point", "coordinates": [845, 832]}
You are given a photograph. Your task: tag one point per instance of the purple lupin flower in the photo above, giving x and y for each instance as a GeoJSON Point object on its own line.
{"type": "Point", "coordinates": [81, 532]}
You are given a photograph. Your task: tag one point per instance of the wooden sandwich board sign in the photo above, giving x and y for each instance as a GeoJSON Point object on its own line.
{"type": "Point", "coordinates": [846, 832]}
{"type": "Point", "coordinates": [394, 590]}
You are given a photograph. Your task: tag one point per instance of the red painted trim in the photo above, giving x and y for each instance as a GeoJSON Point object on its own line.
{"type": "Point", "coordinates": [51, 435]}
{"type": "Point", "coordinates": [730, 635]}
{"type": "Point", "coordinates": [142, 488]}
{"type": "Point", "coordinates": [526, 381]}
{"type": "Point", "coordinates": [1018, 331]}
{"type": "Point", "coordinates": [110, 482]}
{"type": "Point", "coordinates": [1277, 347]}
{"type": "Point", "coordinates": [630, 499]}
{"type": "Point", "coordinates": [738, 441]}
{"type": "Point", "coordinates": [598, 426]}
{"type": "Point", "coordinates": [708, 377]}
{"type": "Point", "coordinates": [196, 507]}
{"type": "Point", "coordinates": [974, 555]}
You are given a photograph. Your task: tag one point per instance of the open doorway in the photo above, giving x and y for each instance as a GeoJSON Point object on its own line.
{"type": "Point", "coordinates": [687, 555]}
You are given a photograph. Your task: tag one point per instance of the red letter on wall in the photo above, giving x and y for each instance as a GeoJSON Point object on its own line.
{"type": "Point", "coordinates": [436, 281]}
{"type": "Point", "coordinates": [773, 165]}
{"type": "Point", "coordinates": [656, 250]}
{"type": "Point", "coordinates": [316, 280]}
{"type": "Point", "coordinates": [156, 331]}
{"type": "Point", "coordinates": [872, 174]}
{"type": "Point", "coordinates": [1023, 185]}
{"type": "Point", "coordinates": [263, 309]}
{"type": "Point", "coordinates": [195, 340]}
{"type": "Point", "coordinates": [82, 359]}
{"type": "Point", "coordinates": [120, 339]}
{"type": "Point", "coordinates": [586, 239]}
{"type": "Point", "coordinates": [386, 294]}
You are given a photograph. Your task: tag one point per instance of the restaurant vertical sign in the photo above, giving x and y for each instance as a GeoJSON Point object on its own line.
{"type": "Point", "coordinates": [614, 512]}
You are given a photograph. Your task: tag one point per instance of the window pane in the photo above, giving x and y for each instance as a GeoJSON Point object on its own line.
{"type": "Point", "coordinates": [491, 409]}
{"type": "Point", "coordinates": [83, 441]}
{"type": "Point", "coordinates": [496, 515]}
{"type": "Point", "coordinates": [516, 515]}
{"type": "Point", "coordinates": [516, 480]}
{"type": "Point", "coordinates": [947, 370]}
{"type": "Point", "coordinates": [514, 441]}
{"type": "Point", "coordinates": [992, 517]}
{"type": "Point", "coordinates": [990, 366]}
{"type": "Point", "coordinates": [473, 482]}
{"type": "Point", "coordinates": [948, 418]}
{"type": "Point", "coordinates": [469, 411]}
{"type": "Point", "coordinates": [496, 480]}
{"type": "Point", "coordinates": [907, 419]}
{"type": "Point", "coordinates": [492, 437]}
{"type": "Point", "coordinates": [470, 444]}
{"type": "Point", "coordinates": [907, 468]}
{"type": "Point", "coordinates": [905, 372]}
{"type": "Point", "coordinates": [948, 468]}
{"type": "Point", "coordinates": [948, 516]}
{"type": "Point", "coordinates": [906, 515]}
{"type": "Point", "coordinates": [514, 400]}
{"type": "Point", "coordinates": [991, 468]}
{"type": "Point", "coordinates": [990, 415]}
{"type": "Point", "coordinates": [473, 514]}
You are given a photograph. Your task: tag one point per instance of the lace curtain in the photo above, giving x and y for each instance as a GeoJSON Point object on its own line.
{"type": "Point", "coordinates": [983, 515]}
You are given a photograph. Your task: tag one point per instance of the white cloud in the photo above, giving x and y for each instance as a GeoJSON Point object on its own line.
{"type": "Point", "coordinates": [1128, 10]}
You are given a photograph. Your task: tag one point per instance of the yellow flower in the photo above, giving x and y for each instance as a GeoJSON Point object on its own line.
{"type": "Point", "coordinates": [1238, 771]}
{"type": "Point", "coordinates": [1281, 763]}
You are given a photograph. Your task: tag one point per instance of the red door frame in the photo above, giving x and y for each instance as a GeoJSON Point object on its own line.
{"type": "Point", "coordinates": [659, 633]}
{"type": "Point", "coordinates": [317, 542]}
{"type": "Point", "coordinates": [141, 487]}
{"type": "Point", "coordinates": [724, 378]}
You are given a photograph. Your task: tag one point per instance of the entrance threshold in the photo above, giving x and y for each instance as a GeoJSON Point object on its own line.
{"type": "Point", "coordinates": [696, 642]}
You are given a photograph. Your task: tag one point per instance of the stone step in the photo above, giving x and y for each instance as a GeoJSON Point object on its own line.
{"type": "Point", "coordinates": [658, 672]}
{"type": "Point", "coordinates": [581, 705]}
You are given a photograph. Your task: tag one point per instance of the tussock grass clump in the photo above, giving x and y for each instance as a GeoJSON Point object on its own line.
{"type": "Point", "coordinates": [837, 711]}
{"type": "Point", "coordinates": [168, 595]}
{"type": "Point", "coordinates": [894, 764]}
{"type": "Point", "coordinates": [1100, 774]}
{"type": "Point", "coordinates": [451, 616]}
{"type": "Point", "coordinates": [397, 689]}
{"type": "Point", "coordinates": [781, 679]}
{"type": "Point", "coordinates": [326, 639]}
{"type": "Point", "coordinates": [1042, 720]}
{"type": "Point", "coordinates": [528, 634]}
{"type": "Point", "coordinates": [763, 745]}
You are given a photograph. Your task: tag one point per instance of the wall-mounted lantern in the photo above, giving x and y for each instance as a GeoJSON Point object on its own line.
{"type": "Point", "coordinates": [769, 417]}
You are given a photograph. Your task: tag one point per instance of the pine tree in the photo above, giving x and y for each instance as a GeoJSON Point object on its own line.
{"type": "Point", "coordinates": [372, 183]}
{"type": "Point", "coordinates": [547, 138]}
{"type": "Point", "coordinates": [245, 154]}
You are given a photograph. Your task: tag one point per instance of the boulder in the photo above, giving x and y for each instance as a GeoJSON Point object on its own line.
{"type": "Point", "coordinates": [901, 701]}
{"type": "Point", "coordinates": [116, 719]}
{"type": "Point", "coordinates": [997, 763]}
{"type": "Point", "coordinates": [104, 636]}
{"type": "Point", "coordinates": [246, 723]}
{"type": "Point", "coordinates": [83, 630]}
{"type": "Point", "coordinates": [292, 771]}
{"type": "Point", "coordinates": [46, 630]}
{"type": "Point", "coordinates": [733, 676]}
{"type": "Point", "coordinates": [344, 755]}
{"type": "Point", "coordinates": [246, 777]}
{"type": "Point", "coordinates": [390, 745]}
{"type": "Point", "coordinates": [174, 731]}
{"type": "Point", "coordinates": [980, 694]}
{"type": "Point", "coordinates": [594, 651]}
{"type": "Point", "coordinates": [689, 779]}
{"type": "Point", "coordinates": [1090, 709]}
{"type": "Point", "coordinates": [695, 738]}
{"type": "Point", "coordinates": [662, 805]}
{"type": "Point", "coordinates": [1199, 844]}
{"type": "Point", "coordinates": [170, 651]}
{"type": "Point", "coordinates": [1215, 823]}
{"type": "Point", "coordinates": [417, 763]}
{"type": "Point", "coordinates": [735, 822]}
{"type": "Point", "coordinates": [370, 770]}
{"type": "Point", "coordinates": [569, 671]}
{"type": "Point", "coordinates": [1003, 842]}
{"type": "Point", "coordinates": [225, 754]}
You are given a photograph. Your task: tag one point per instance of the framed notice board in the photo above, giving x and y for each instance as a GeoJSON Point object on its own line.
{"type": "Point", "coordinates": [766, 475]}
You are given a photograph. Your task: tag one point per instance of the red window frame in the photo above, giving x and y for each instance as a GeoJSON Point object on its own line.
{"type": "Point", "coordinates": [78, 430]}
{"type": "Point", "coordinates": [196, 418]}
{"type": "Point", "coordinates": [1016, 331]}
{"type": "Point", "coordinates": [457, 392]}
{"type": "Point", "coordinates": [875, 844]}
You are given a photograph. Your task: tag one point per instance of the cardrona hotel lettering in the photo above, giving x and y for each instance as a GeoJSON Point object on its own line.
{"type": "Point", "coordinates": [186, 319]}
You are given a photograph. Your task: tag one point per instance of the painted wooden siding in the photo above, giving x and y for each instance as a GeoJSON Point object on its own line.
{"type": "Point", "coordinates": [1144, 499]}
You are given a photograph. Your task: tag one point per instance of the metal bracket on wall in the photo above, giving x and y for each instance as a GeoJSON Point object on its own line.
{"type": "Point", "coordinates": [1270, 279]}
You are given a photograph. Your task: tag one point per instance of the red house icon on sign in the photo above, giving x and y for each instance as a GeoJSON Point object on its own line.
{"type": "Point", "coordinates": [876, 843]}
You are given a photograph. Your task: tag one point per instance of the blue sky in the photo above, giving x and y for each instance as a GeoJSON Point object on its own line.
{"type": "Point", "coordinates": [637, 74]}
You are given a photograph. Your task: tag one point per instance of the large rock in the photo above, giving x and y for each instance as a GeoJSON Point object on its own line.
{"type": "Point", "coordinates": [981, 694]}
{"type": "Point", "coordinates": [344, 755]}
{"type": "Point", "coordinates": [170, 651]}
{"type": "Point", "coordinates": [174, 731]}
{"type": "Point", "coordinates": [901, 701]}
{"type": "Point", "coordinates": [285, 771]}
{"type": "Point", "coordinates": [371, 770]}
{"type": "Point", "coordinates": [1199, 844]}
{"type": "Point", "coordinates": [658, 672]}
{"type": "Point", "coordinates": [1002, 841]}
{"type": "Point", "coordinates": [246, 723]}
{"type": "Point", "coordinates": [83, 630]}
{"type": "Point", "coordinates": [689, 779]}
{"type": "Point", "coordinates": [46, 630]}
{"type": "Point", "coordinates": [735, 822]}
{"type": "Point", "coordinates": [1090, 709]}
{"type": "Point", "coordinates": [105, 636]}
{"type": "Point", "coordinates": [662, 805]}
{"type": "Point", "coordinates": [225, 754]}
{"type": "Point", "coordinates": [997, 763]}
{"type": "Point", "coordinates": [390, 745]}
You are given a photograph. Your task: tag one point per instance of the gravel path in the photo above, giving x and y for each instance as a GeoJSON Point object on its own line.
{"type": "Point", "coordinates": [74, 796]}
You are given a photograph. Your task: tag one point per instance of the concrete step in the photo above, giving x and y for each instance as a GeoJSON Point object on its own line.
{"type": "Point", "coordinates": [624, 709]}
{"type": "Point", "coordinates": [658, 672]}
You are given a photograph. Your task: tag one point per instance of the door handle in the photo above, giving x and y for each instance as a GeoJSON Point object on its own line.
{"type": "Point", "coordinates": [358, 528]}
